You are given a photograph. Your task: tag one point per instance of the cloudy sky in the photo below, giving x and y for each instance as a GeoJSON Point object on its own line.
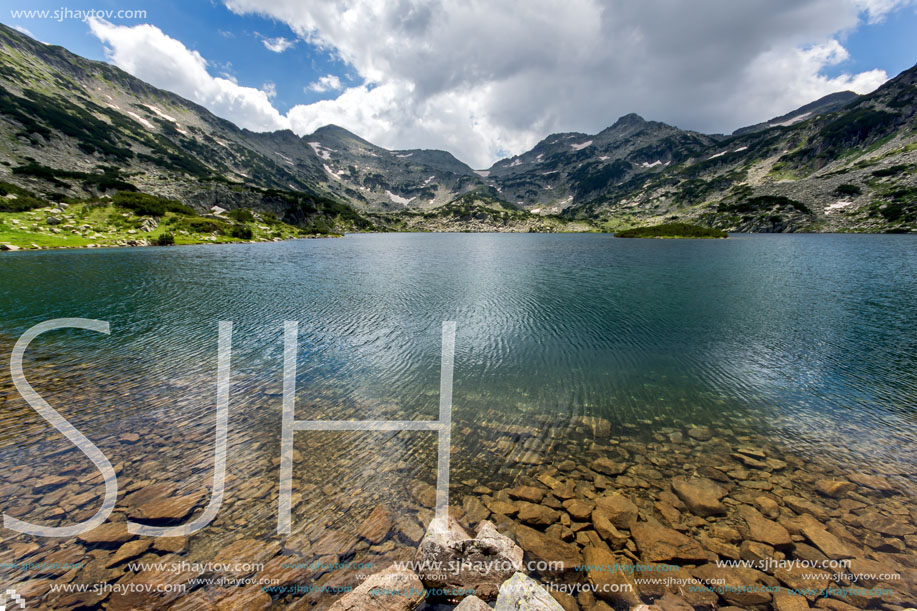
{"type": "Point", "coordinates": [486, 79]}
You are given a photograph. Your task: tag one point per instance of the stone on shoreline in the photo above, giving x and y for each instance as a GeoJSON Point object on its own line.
{"type": "Point", "coordinates": [801, 506]}
{"type": "Point", "coordinates": [110, 533]}
{"type": "Point", "coordinates": [170, 509]}
{"type": "Point", "coordinates": [700, 433]}
{"type": "Point", "coordinates": [785, 601]}
{"type": "Point", "coordinates": [472, 603]}
{"type": "Point", "coordinates": [887, 525]}
{"type": "Point", "coordinates": [129, 550]}
{"type": "Point", "coordinates": [740, 585]}
{"type": "Point", "coordinates": [521, 592]}
{"type": "Point", "coordinates": [458, 560]}
{"type": "Point", "coordinates": [876, 482]}
{"type": "Point", "coordinates": [423, 493]}
{"type": "Point", "coordinates": [579, 509]}
{"type": "Point", "coordinates": [603, 526]}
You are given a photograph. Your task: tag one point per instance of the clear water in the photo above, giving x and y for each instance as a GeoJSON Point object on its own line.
{"type": "Point", "coordinates": [809, 340]}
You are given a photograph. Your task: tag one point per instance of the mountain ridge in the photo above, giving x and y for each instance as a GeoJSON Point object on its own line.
{"type": "Point", "coordinates": [68, 114]}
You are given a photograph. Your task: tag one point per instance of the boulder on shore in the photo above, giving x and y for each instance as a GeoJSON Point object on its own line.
{"type": "Point", "coordinates": [521, 592]}
{"type": "Point", "coordinates": [458, 560]}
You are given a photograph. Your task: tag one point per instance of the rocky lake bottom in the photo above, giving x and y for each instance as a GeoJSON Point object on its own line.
{"type": "Point", "coordinates": [813, 532]}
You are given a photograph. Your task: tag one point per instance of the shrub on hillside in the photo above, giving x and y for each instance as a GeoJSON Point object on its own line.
{"type": "Point", "coordinates": [242, 232]}
{"type": "Point", "coordinates": [847, 189]}
{"type": "Point", "coordinates": [144, 204]}
{"type": "Point", "coordinates": [242, 215]}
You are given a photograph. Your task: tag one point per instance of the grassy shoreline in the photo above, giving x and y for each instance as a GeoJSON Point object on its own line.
{"type": "Point", "coordinates": [107, 225]}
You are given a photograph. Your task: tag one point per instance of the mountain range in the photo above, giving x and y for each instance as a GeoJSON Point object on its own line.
{"type": "Point", "coordinates": [72, 129]}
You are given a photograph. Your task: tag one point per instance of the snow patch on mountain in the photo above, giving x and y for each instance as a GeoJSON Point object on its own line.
{"type": "Point", "coordinates": [141, 120]}
{"type": "Point", "coordinates": [159, 113]}
{"type": "Point", "coordinates": [321, 151]}
{"type": "Point", "coordinates": [832, 208]}
{"type": "Point", "coordinates": [398, 199]}
{"type": "Point", "coordinates": [795, 119]}
{"type": "Point", "coordinates": [332, 172]}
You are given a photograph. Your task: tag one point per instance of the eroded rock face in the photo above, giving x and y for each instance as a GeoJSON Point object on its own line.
{"type": "Point", "coordinates": [458, 560]}
{"type": "Point", "coordinates": [521, 592]}
{"type": "Point", "coordinates": [377, 592]}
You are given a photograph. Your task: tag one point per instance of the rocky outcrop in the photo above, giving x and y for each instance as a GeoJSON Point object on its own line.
{"type": "Point", "coordinates": [458, 560]}
{"type": "Point", "coordinates": [521, 592]}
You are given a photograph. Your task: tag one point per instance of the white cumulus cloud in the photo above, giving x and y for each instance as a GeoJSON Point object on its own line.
{"type": "Point", "coordinates": [278, 44]}
{"type": "Point", "coordinates": [482, 79]}
{"type": "Point", "coordinates": [329, 82]}
{"type": "Point", "coordinates": [149, 54]}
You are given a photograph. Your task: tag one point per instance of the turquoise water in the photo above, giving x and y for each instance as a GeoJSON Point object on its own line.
{"type": "Point", "coordinates": [813, 337]}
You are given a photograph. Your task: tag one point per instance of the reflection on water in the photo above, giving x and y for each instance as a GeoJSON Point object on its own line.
{"type": "Point", "coordinates": [568, 348]}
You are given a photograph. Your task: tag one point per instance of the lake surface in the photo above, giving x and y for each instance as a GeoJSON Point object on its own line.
{"type": "Point", "coordinates": [808, 342]}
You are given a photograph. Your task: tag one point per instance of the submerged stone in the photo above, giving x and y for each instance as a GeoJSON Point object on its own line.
{"type": "Point", "coordinates": [701, 495]}
{"type": "Point", "coordinates": [376, 592]}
